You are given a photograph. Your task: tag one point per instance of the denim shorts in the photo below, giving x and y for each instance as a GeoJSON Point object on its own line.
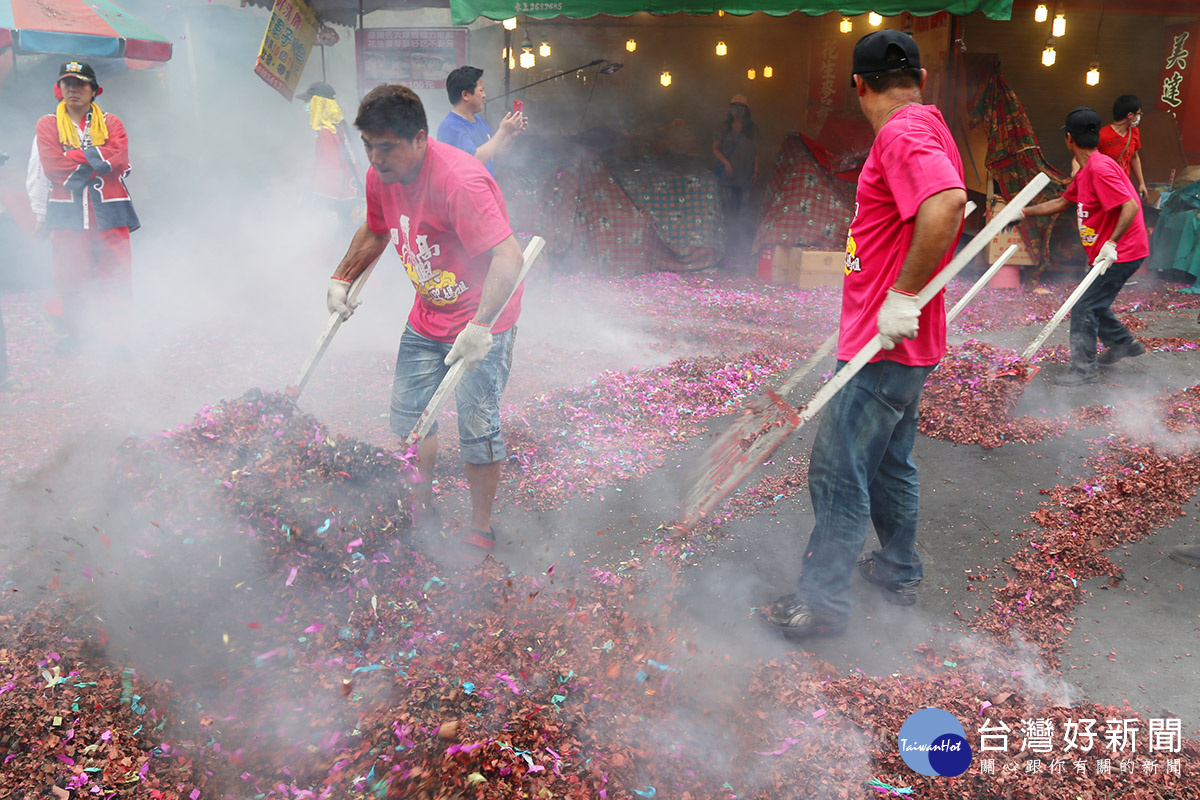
{"type": "Point", "coordinates": [420, 367]}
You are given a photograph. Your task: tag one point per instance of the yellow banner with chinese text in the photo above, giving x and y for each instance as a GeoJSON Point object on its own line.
{"type": "Point", "coordinates": [291, 31]}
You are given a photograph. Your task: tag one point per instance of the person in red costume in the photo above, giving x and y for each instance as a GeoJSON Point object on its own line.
{"type": "Point", "coordinates": [335, 175]}
{"type": "Point", "coordinates": [85, 155]}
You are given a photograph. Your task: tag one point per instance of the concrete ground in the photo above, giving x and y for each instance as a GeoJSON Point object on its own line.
{"type": "Point", "coordinates": [1134, 642]}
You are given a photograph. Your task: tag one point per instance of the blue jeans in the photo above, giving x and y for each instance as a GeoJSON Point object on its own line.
{"type": "Point", "coordinates": [420, 367]}
{"type": "Point", "coordinates": [862, 472]}
{"type": "Point", "coordinates": [1092, 317]}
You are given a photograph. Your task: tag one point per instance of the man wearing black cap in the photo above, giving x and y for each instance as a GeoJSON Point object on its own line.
{"type": "Point", "coordinates": [907, 220]}
{"type": "Point", "coordinates": [85, 155]}
{"type": "Point", "coordinates": [1113, 231]}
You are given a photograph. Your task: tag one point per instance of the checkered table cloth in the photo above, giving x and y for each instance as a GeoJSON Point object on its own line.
{"type": "Point", "coordinates": [806, 206]}
{"type": "Point", "coordinates": [636, 215]}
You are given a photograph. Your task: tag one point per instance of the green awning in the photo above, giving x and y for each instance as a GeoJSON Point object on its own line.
{"type": "Point", "coordinates": [465, 11]}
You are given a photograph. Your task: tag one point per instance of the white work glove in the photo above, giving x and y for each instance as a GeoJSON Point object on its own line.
{"type": "Point", "coordinates": [472, 345]}
{"type": "Point", "coordinates": [337, 299]}
{"type": "Point", "coordinates": [1107, 257]}
{"type": "Point", "coordinates": [898, 318]}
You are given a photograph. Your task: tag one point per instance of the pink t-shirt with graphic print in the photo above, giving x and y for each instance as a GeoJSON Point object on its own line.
{"type": "Point", "coordinates": [443, 224]}
{"type": "Point", "coordinates": [912, 158]}
{"type": "Point", "coordinates": [1098, 192]}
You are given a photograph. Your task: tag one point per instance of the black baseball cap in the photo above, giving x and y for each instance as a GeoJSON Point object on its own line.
{"type": "Point", "coordinates": [78, 69]}
{"type": "Point", "coordinates": [874, 53]}
{"type": "Point", "coordinates": [1082, 120]}
{"type": "Point", "coordinates": [318, 89]}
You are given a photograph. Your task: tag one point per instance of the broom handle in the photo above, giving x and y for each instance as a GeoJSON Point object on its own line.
{"type": "Point", "coordinates": [1087, 281]}
{"type": "Point", "coordinates": [979, 284]}
{"type": "Point", "coordinates": [331, 327]}
{"type": "Point", "coordinates": [938, 282]}
{"type": "Point", "coordinates": [827, 346]}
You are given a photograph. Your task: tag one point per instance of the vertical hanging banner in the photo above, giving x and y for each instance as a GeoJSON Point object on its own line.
{"type": "Point", "coordinates": [1179, 83]}
{"type": "Point", "coordinates": [419, 58]}
{"type": "Point", "coordinates": [828, 78]}
{"type": "Point", "coordinates": [291, 31]}
{"type": "Point", "coordinates": [932, 35]}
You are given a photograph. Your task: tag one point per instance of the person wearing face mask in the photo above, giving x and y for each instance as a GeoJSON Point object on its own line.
{"type": "Point", "coordinates": [1112, 228]}
{"type": "Point", "coordinates": [736, 146]}
{"type": "Point", "coordinates": [85, 156]}
{"type": "Point", "coordinates": [1122, 140]}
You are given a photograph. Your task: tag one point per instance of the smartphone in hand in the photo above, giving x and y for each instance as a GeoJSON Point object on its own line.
{"type": "Point", "coordinates": [518, 106]}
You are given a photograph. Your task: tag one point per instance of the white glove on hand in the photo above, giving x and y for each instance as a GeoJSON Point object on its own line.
{"type": "Point", "coordinates": [1108, 255]}
{"type": "Point", "coordinates": [337, 299]}
{"type": "Point", "coordinates": [472, 345]}
{"type": "Point", "coordinates": [899, 317]}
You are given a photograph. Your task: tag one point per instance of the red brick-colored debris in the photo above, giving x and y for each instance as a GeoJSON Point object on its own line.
{"type": "Point", "coordinates": [338, 658]}
{"type": "Point", "coordinates": [970, 397]}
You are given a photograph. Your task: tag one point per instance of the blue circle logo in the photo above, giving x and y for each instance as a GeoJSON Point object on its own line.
{"type": "Point", "coordinates": [933, 742]}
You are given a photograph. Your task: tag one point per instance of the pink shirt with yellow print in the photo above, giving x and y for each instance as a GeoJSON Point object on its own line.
{"type": "Point", "coordinates": [443, 224]}
{"type": "Point", "coordinates": [1098, 191]}
{"type": "Point", "coordinates": [913, 157]}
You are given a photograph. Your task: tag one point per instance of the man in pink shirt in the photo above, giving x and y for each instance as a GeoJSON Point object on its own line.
{"type": "Point", "coordinates": [907, 221]}
{"type": "Point", "coordinates": [443, 212]}
{"type": "Point", "coordinates": [1113, 230]}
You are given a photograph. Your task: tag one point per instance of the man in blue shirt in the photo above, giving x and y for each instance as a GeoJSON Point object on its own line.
{"type": "Point", "coordinates": [464, 128]}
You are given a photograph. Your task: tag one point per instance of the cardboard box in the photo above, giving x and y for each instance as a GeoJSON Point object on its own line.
{"type": "Point", "coordinates": [1022, 258]}
{"type": "Point", "coordinates": [819, 268]}
{"type": "Point", "coordinates": [781, 267]}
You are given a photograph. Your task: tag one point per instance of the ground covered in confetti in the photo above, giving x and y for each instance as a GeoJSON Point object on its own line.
{"type": "Point", "coordinates": [238, 606]}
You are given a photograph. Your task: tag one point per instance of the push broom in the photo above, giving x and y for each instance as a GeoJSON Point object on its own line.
{"type": "Point", "coordinates": [765, 424]}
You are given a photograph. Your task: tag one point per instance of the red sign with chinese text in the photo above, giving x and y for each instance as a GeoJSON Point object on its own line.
{"type": "Point", "coordinates": [419, 58]}
{"type": "Point", "coordinates": [1179, 84]}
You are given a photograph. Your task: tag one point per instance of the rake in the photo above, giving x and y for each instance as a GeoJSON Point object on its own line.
{"type": "Point", "coordinates": [769, 420]}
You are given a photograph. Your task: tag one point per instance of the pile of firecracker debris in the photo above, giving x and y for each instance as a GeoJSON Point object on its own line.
{"type": "Point", "coordinates": [240, 608]}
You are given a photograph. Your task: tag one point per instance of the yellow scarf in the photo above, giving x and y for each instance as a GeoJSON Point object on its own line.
{"type": "Point", "coordinates": [68, 132]}
{"type": "Point", "coordinates": [324, 114]}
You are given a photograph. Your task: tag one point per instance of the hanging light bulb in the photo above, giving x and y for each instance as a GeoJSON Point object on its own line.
{"type": "Point", "coordinates": [630, 45]}
{"type": "Point", "coordinates": [722, 49]}
{"type": "Point", "coordinates": [768, 71]}
{"type": "Point", "coordinates": [527, 59]}
{"type": "Point", "coordinates": [1048, 55]}
{"type": "Point", "coordinates": [1059, 27]}
{"type": "Point", "coordinates": [510, 24]}
{"type": "Point", "coordinates": [845, 26]}
{"type": "Point", "coordinates": [720, 13]}
{"type": "Point", "coordinates": [1040, 13]}
{"type": "Point", "coordinates": [874, 20]}
{"type": "Point", "coordinates": [544, 50]}
{"type": "Point", "coordinates": [1093, 74]}
{"type": "Point", "coordinates": [750, 74]}
{"type": "Point", "coordinates": [665, 78]}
